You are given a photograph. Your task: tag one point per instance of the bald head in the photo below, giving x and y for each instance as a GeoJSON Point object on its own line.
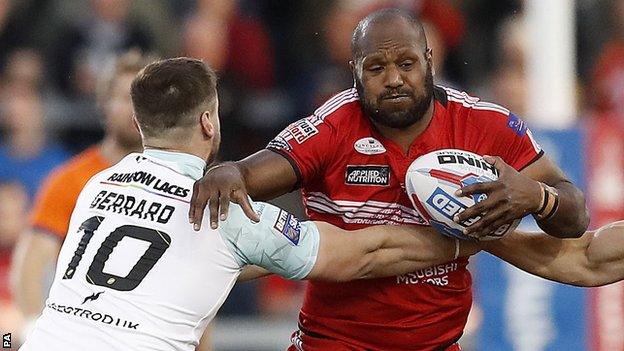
{"type": "Point", "coordinates": [383, 22]}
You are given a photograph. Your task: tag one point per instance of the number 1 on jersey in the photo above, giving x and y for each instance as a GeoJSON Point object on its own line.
{"type": "Point", "coordinates": [89, 227]}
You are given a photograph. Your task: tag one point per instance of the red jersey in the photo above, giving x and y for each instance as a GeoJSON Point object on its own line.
{"type": "Point", "coordinates": [353, 177]}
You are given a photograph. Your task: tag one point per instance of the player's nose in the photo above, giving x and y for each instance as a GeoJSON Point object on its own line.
{"type": "Point", "coordinates": [393, 77]}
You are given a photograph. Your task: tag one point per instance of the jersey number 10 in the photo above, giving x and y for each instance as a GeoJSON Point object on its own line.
{"type": "Point", "coordinates": [159, 243]}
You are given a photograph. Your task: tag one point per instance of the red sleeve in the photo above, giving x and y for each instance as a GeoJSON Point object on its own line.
{"type": "Point", "coordinates": [513, 140]}
{"type": "Point", "coordinates": [306, 144]}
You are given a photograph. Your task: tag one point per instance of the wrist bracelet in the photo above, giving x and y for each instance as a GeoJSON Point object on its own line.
{"type": "Point", "coordinates": [550, 202]}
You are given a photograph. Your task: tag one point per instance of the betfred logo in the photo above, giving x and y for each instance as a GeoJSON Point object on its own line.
{"type": "Point", "coordinates": [289, 226]}
{"type": "Point", "coordinates": [368, 175]}
{"type": "Point", "coordinates": [369, 146]}
{"type": "Point", "coordinates": [302, 130]}
{"type": "Point", "coordinates": [517, 124]}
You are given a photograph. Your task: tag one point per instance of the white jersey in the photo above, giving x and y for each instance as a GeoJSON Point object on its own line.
{"type": "Point", "coordinates": [133, 275]}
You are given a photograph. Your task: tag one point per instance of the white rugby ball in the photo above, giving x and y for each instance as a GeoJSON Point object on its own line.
{"type": "Point", "coordinates": [431, 182]}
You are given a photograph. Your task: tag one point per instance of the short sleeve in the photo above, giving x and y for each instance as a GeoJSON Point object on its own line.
{"type": "Point", "coordinates": [280, 243]}
{"type": "Point", "coordinates": [306, 144]}
{"type": "Point", "coordinates": [53, 205]}
{"type": "Point", "coordinates": [513, 141]}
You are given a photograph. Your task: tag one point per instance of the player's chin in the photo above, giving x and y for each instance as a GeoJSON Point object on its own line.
{"type": "Point", "coordinates": [397, 118]}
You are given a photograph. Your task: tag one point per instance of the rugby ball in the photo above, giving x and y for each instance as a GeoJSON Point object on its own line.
{"type": "Point", "coordinates": [431, 182]}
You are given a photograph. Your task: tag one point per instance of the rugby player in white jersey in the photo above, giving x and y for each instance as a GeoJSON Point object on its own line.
{"type": "Point", "coordinates": [133, 275]}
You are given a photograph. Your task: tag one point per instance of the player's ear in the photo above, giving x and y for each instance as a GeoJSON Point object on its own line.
{"type": "Point", "coordinates": [429, 59]}
{"type": "Point", "coordinates": [135, 123]}
{"type": "Point", "coordinates": [208, 129]}
{"type": "Point", "coordinates": [353, 68]}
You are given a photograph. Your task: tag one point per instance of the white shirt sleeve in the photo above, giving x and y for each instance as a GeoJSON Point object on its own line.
{"type": "Point", "coordinates": [279, 243]}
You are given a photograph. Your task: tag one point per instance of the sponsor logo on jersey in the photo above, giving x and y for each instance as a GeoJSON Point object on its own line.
{"type": "Point", "coordinates": [103, 318]}
{"type": "Point", "coordinates": [517, 124]}
{"type": "Point", "coordinates": [369, 146]}
{"type": "Point", "coordinates": [289, 226]}
{"type": "Point", "coordinates": [437, 275]}
{"type": "Point", "coordinates": [368, 175]}
{"type": "Point", "coordinates": [149, 180]}
{"type": "Point", "coordinates": [302, 130]}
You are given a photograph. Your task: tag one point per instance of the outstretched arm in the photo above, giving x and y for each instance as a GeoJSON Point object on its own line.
{"type": "Point", "coordinates": [281, 244]}
{"type": "Point", "coordinates": [594, 259]}
{"type": "Point", "coordinates": [382, 251]}
{"type": "Point", "coordinates": [263, 175]}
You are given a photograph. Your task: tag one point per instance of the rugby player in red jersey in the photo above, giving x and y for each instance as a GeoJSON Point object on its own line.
{"type": "Point", "coordinates": [350, 157]}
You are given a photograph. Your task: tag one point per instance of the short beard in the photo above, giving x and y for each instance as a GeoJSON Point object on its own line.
{"type": "Point", "coordinates": [398, 119]}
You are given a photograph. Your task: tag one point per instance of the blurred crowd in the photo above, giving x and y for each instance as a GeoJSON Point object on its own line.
{"type": "Point", "coordinates": [276, 61]}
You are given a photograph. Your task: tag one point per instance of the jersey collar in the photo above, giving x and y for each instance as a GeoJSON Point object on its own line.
{"type": "Point", "coordinates": [186, 164]}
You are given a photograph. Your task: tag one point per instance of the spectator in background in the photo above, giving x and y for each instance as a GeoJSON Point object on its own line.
{"type": "Point", "coordinates": [508, 82]}
{"type": "Point", "coordinates": [16, 25]}
{"type": "Point", "coordinates": [13, 211]}
{"type": "Point", "coordinates": [26, 152]}
{"type": "Point", "coordinates": [605, 129]}
{"type": "Point", "coordinates": [236, 43]}
{"type": "Point", "coordinates": [23, 72]}
{"type": "Point", "coordinates": [87, 44]}
{"type": "Point", "coordinates": [39, 246]}
{"type": "Point", "coordinates": [608, 74]}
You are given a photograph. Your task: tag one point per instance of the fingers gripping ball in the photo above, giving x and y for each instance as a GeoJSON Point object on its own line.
{"type": "Point", "coordinates": [432, 180]}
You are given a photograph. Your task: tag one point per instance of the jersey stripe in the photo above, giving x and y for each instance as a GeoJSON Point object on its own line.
{"type": "Point", "coordinates": [359, 204]}
{"type": "Point", "coordinates": [336, 102]}
{"type": "Point", "coordinates": [347, 218]}
{"type": "Point", "coordinates": [369, 209]}
{"type": "Point", "coordinates": [536, 146]}
{"type": "Point", "coordinates": [364, 211]}
{"type": "Point", "coordinates": [473, 102]}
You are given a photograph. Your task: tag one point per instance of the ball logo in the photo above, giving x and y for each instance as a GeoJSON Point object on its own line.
{"type": "Point", "coordinates": [464, 158]}
{"type": "Point", "coordinates": [369, 146]}
{"type": "Point", "coordinates": [472, 179]}
{"type": "Point", "coordinates": [448, 206]}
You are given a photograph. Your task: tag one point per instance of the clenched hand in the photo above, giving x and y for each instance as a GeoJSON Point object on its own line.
{"type": "Point", "coordinates": [511, 197]}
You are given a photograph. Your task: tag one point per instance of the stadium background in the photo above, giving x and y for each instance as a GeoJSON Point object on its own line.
{"type": "Point", "coordinates": [277, 60]}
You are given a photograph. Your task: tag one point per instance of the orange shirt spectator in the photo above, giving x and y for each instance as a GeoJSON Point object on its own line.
{"type": "Point", "coordinates": [56, 199]}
